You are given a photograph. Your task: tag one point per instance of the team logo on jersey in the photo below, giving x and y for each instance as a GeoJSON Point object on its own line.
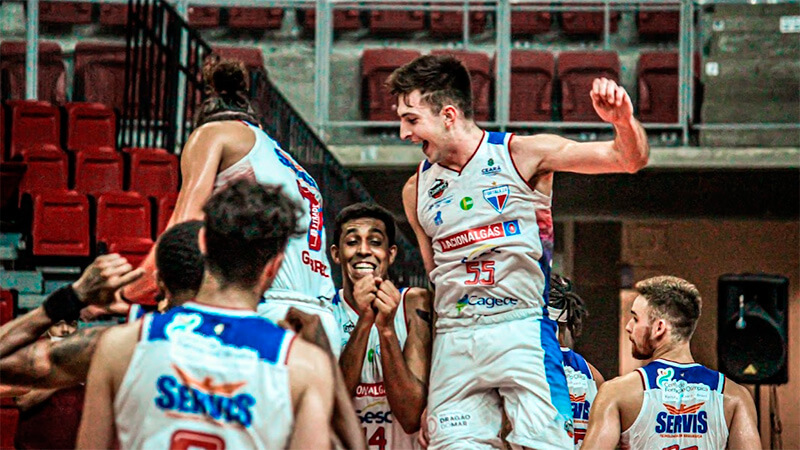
{"type": "Point", "coordinates": [491, 169]}
{"type": "Point", "coordinates": [685, 419]}
{"type": "Point", "coordinates": [466, 203]}
{"type": "Point", "coordinates": [348, 327]}
{"type": "Point", "coordinates": [497, 197]}
{"type": "Point", "coordinates": [438, 188]}
{"type": "Point", "coordinates": [479, 234]}
{"type": "Point", "coordinates": [191, 396]}
{"type": "Point", "coordinates": [438, 219]}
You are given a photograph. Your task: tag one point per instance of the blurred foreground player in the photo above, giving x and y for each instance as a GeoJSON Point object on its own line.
{"type": "Point", "coordinates": [480, 206]}
{"type": "Point", "coordinates": [386, 330]}
{"type": "Point", "coordinates": [672, 402]}
{"type": "Point", "coordinates": [211, 373]}
{"type": "Point", "coordinates": [227, 144]}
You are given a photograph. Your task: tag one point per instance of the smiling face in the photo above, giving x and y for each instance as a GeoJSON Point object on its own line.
{"type": "Point", "coordinates": [640, 330]}
{"type": "Point", "coordinates": [363, 249]}
{"type": "Point", "coordinates": [421, 125]}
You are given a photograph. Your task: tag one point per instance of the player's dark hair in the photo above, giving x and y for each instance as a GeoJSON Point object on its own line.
{"type": "Point", "coordinates": [179, 261]}
{"type": "Point", "coordinates": [247, 224]}
{"type": "Point", "coordinates": [673, 299]}
{"type": "Point", "coordinates": [563, 297]}
{"type": "Point", "coordinates": [360, 211]}
{"type": "Point", "coordinates": [441, 79]}
{"type": "Point", "coordinates": [226, 89]}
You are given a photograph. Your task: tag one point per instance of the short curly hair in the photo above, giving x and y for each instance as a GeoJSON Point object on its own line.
{"type": "Point", "coordinates": [362, 210]}
{"type": "Point", "coordinates": [179, 261]}
{"type": "Point", "coordinates": [247, 224]}
{"type": "Point", "coordinates": [673, 299]}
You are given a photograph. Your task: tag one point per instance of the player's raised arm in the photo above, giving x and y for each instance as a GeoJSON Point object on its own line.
{"type": "Point", "coordinates": [628, 152]}
{"type": "Point", "coordinates": [410, 207]}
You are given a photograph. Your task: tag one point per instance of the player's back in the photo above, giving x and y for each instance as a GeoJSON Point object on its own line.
{"type": "Point", "coordinates": [206, 377]}
{"type": "Point", "coordinates": [682, 408]}
{"type": "Point", "coordinates": [582, 391]}
{"type": "Point", "coordinates": [305, 272]}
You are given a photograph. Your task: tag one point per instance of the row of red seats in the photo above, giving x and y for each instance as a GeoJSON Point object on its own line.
{"type": "Point", "coordinates": [99, 70]}
{"type": "Point", "coordinates": [532, 83]}
{"type": "Point", "coordinates": [445, 23]}
{"type": "Point", "coordinates": [66, 223]}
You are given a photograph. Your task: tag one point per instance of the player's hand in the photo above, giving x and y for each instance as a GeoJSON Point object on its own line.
{"type": "Point", "coordinates": [386, 302]}
{"type": "Point", "coordinates": [118, 307]}
{"type": "Point", "coordinates": [307, 326]}
{"type": "Point", "coordinates": [99, 282]}
{"type": "Point", "coordinates": [365, 292]}
{"type": "Point", "coordinates": [423, 438]}
{"type": "Point", "coordinates": [611, 102]}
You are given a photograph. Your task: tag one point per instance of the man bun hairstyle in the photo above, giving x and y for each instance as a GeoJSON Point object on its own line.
{"type": "Point", "coordinates": [441, 79]}
{"type": "Point", "coordinates": [673, 299]}
{"type": "Point", "coordinates": [226, 88]}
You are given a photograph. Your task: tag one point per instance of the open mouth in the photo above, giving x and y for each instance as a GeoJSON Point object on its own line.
{"type": "Point", "coordinates": [364, 268]}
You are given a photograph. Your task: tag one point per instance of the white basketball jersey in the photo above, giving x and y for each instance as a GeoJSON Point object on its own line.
{"type": "Point", "coordinates": [582, 391]}
{"type": "Point", "coordinates": [491, 233]}
{"type": "Point", "coordinates": [382, 432]}
{"type": "Point", "coordinates": [206, 378]}
{"type": "Point", "coordinates": [682, 408]}
{"type": "Point", "coordinates": [305, 272]}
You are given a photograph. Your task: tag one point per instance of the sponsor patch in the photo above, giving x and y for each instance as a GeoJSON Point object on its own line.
{"type": "Point", "coordinates": [370, 390]}
{"type": "Point", "coordinates": [452, 419]}
{"type": "Point", "coordinates": [446, 200]}
{"type": "Point", "coordinates": [438, 188]}
{"type": "Point", "coordinates": [479, 234]}
{"type": "Point", "coordinates": [497, 197]}
{"type": "Point", "coordinates": [438, 219]}
{"type": "Point", "coordinates": [465, 203]}
{"type": "Point", "coordinates": [491, 169]}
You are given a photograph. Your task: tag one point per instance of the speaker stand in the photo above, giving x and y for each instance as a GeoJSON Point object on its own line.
{"type": "Point", "coordinates": [757, 400]}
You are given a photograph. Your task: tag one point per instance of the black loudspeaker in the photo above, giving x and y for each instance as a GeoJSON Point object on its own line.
{"type": "Point", "coordinates": [753, 328]}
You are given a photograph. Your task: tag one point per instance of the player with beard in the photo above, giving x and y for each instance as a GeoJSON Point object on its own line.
{"type": "Point", "coordinates": [672, 402]}
{"type": "Point", "coordinates": [386, 331]}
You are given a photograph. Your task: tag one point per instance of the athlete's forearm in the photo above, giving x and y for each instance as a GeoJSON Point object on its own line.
{"type": "Point", "coordinates": [23, 330]}
{"type": "Point", "coordinates": [407, 395]}
{"type": "Point", "coordinates": [352, 358]}
{"type": "Point", "coordinates": [345, 422]}
{"type": "Point", "coordinates": [631, 144]}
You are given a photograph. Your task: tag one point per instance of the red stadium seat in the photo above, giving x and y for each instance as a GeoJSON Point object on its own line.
{"type": "Point", "coordinates": [90, 125]}
{"type": "Point", "coordinates": [531, 85]}
{"type": "Point", "coordinates": [480, 69]}
{"type": "Point", "coordinates": [98, 171]}
{"type": "Point", "coordinates": [587, 23]}
{"type": "Point", "coordinates": [48, 169]}
{"type": "Point", "coordinates": [530, 22]}
{"type": "Point", "coordinates": [255, 18]}
{"type": "Point", "coordinates": [203, 16]}
{"type": "Point", "coordinates": [113, 14]}
{"type": "Point", "coordinates": [153, 172]}
{"type": "Point", "coordinates": [451, 23]}
{"type": "Point", "coordinates": [252, 57]}
{"type": "Point", "coordinates": [658, 24]}
{"type": "Point", "coordinates": [60, 224]}
{"type": "Point", "coordinates": [9, 418]}
{"type": "Point", "coordinates": [7, 303]}
{"type": "Point", "coordinates": [100, 73]}
{"type": "Point", "coordinates": [69, 13]}
{"type": "Point", "coordinates": [576, 72]}
{"type": "Point", "coordinates": [33, 125]}
{"type": "Point", "coordinates": [11, 173]}
{"type": "Point", "coordinates": [52, 84]}
{"type": "Point", "coordinates": [165, 206]}
{"type": "Point", "coordinates": [395, 22]}
{"type": "Point", "coordinates": [122, 215]}
{"type": "Point", "coordinates": [135, 250]}
{"type": "Point", "coordinates": [376, 66]}
{"type": "Point", "coordinates": [343, 19]}
{"type": "Point", "coordinates": [658, 87]}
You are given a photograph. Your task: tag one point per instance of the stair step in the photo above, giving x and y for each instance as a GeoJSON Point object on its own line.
{"type": "Point", "coordinates": [30, 301]}
{"type": "Point", "coordinates": [25, 282]}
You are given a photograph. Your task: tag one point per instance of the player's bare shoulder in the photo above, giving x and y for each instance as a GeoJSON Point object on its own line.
{"type": "Point", "coordinates": [735, 397]}
{"type": "Point", "coordinates": [529, 151]}
{"type": "Point", "coordinates": [410, 189]}
{"type": "Point", "coordinates": [419, 304]}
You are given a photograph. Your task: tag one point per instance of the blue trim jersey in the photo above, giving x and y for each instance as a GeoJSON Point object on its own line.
{"type": "Point", "coordinates": [582, 391]}
{"type": "Point", "coordinates": [206, 377]}
{"type": "Point", "coordinates": [682, 408]}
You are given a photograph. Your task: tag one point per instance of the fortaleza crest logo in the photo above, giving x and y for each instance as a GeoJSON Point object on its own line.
{"type": "Point", "coordinates": [479, 234]}
{"type": "Point", "coordinates": [438, 188]}
{"type": "Point", "coordinates": [186, 395]}
{"type": "Point", "coordinates": [497, 197]}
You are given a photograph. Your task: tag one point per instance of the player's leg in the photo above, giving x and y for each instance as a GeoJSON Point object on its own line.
{"type": "Point", "coordinates": [275, 310]}
{"type": "Point", "coordinates": [463, 413]}
{"type": "Point", "coordinates": [534, 387]}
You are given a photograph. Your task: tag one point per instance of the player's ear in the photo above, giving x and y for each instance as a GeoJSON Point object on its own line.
{"type": "Point", "coordinates": [271, 271]}
{"type": "Point", "coordinates": [660, 328]}
{"type": "Point", "coordinates": [392, 254]}
{"type": "Point", "coordinates": [449, 112]}
{"type": "Point", "coordinates": [335, 254]}
{"type": "Point", "coordinates": [201, 240]}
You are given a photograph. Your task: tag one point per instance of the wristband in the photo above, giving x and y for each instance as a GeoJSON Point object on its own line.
{"type": "Point", "coordinates": [63, 304]}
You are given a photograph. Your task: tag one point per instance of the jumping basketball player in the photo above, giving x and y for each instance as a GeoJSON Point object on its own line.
{"type": "Point", "coordinates": [672, 402]}
{"type": "Point", "coordinates": [480, 207]}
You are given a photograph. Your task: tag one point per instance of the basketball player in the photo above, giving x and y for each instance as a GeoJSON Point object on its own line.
{"type": "Point", "coordinates": [226, 144]}
{"type": "Point", "coordinates": [386, 331]}
{"type": "Point", "coordinates": [672, 402]}
{"type": "Point", "coordinates": [212, 373]}
{"type": "Point", "coordinates": [29, 362]}
{"type": "Point", "coordinates": [583, 378]}
{"type": "Point", "coordinates": [480, 207]}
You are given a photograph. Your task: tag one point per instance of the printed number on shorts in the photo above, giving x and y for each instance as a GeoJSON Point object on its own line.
{"type": "Point", "coordinates": [377, 439]}
{"type": "Point", "coordinates": [187, 439]}
{"type": "Point", "coordinates": [483, 272]}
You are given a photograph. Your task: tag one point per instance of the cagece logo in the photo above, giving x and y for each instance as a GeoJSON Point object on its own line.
{"type": "Point", "coordinates": [479, 234]}
{"type": "Point", "coordinates": [487, 302]}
